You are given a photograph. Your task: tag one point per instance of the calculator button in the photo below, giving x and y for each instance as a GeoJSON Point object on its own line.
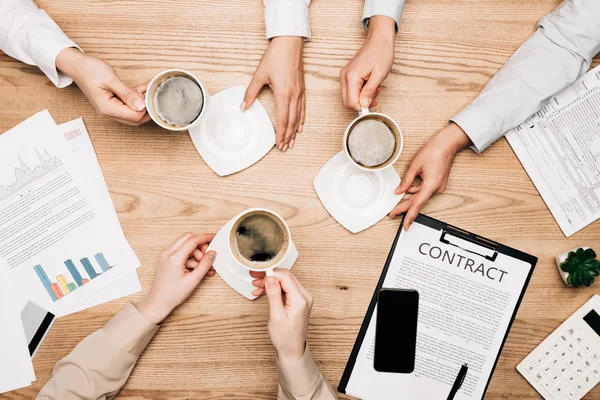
{"type": "Point", "coordinates": [578, 387]}
{"type": "Point", "coordinates": [538, 376]}
{"type": "Point", "coordinates": [571, 363]}
{"type": "Point", "coordinates": [571, 347]}
{"type": "Point", "coordinates": [547, 351]}
{"type": "Point", "coordinates": [530, 367]}
{"type": "Point", "coordinates": [571, 378]}
{"type": "Point", "coordinates": [558, 392]}
{"type": "Point", "coordinates": [587, 363]}
{"type": "Point", "coordinates": [587, 379]}
{"type": "Point", "coordinates": [578, 339]}
{"type": "Point", "coordinates": [554, 378]}
{"type": "Point", "coordinates": [563, 369]}
{"type": "Point", "coordinates": [563, 353]}
{"type": "Point", "coordinates": [562, 339]}
{"type": "Point", "coordinates": [579, 355]}
{"type": "Point", "coordinates": [595, 357]}
{"type": "Point", "coordinates": [570, 331]}
{"type": "Point", "coordinates": [579, 370]}
{"type": "Point", "coordinates": [571, 394]}
{"type": "Point", "coordinates": [546, 369]}
{"type": "Point", "coordinates": [555, 345]}
{"type": "Point", "coordinates": [595, 372]}
{"type": "Point", "coordinates": [546, 383]}
{"type": "Point", "coordinates": [555, 361]}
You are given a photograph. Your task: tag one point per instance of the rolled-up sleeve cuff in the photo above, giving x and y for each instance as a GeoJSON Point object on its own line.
{"type": "Point", "coordinates": [390, 8]}
{"type": "Point", "coordinates": [478, 126]}
{"type": "Point", "coordinates": [130, 330]}
{"type": "Point", "coordinates": [299, 377]}
{"type": "Point", "coordinates": [287, 18]}
{"type": "Point", "coordinates": [45, 52]}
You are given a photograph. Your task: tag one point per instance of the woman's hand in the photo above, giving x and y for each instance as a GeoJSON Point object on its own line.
{"type": "Point", "coordinates": [180, 270]}
{"type": "Point", "coordinates": [103, 88]}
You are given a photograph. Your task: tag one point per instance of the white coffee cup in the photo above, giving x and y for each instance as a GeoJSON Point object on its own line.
{"type": "Point", "coordinates": [266, 266]}
{"type": "Point", "coordinates": [153, 86]}
{"type": "Point", "coordinates": [391, 124]}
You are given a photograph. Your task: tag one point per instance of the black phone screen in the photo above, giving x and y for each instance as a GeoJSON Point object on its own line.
{"type": "Point", "coordinates": [396, 330]}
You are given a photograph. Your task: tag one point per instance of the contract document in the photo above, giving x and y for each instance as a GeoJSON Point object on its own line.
{"type": "Point", "coordinates": [559, 147]}
{"type": "Point", "coordinates": [469, 291]}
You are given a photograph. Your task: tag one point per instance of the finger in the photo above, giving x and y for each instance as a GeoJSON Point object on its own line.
{"type": "Point", "coordinates": [282, 112]}
{"type": "Point", "coordinates": [197, 254]}
{"type": "Point", "coordinates": [211, 272]}
{"type": "Point", "coordinates": [292, 127]}
{"type": "Point", "coordinates": [252, 91]}
{"type": "Point", "coordinates": [179, 242]}
{"type": "Point", "coordinates": [203, 266]}
{"type": "Point", "coordinates": [373, 103]}
{"type": "Point", "coordinates": [204, 248]}
{"type": "Point", "coordinates": [293, 295]}
{"type": "Point", "coordinates": [355, 84]}
{"type": "Point", "coordinates": [258, 283]}
{"type": "Point", "coordinates": [303, 290]}
{"type": "Point", "coordinates": [413, 189]}
{"type": "Point", "coordinates": [191, 264]}
{"type": "Point", "coordinates": [343, 85]}
{"type": "Point", "coordinates": [369, 90]}
{"type": "Point", "coordinates": [115, 108]}
{"type": "Point", "coordinates": [402, 207]}
{"type": "Point", "coordinates": [302, 113]}
{"type": "Point", "coordinates": [418, 202]}
{"type": "Point", "coordinates": [132, 98]}
{"type": "Point", "coordinates": [409, 177]}
{"type": "Point", "coordinates": [275, 296]}
{"type": "Point", "coordinates": [186, 249]}
{"type": "Point", "coordinates": [258, 292]}
{"type": "Point", "coordinates": [141, 89]}
{"type": "Point", "coordinates": [257, 275]}
{"type": "Point", "coordinates": [379, 90]}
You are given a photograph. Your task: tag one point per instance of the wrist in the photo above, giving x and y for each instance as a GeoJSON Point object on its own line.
{"type": "Point", "coordinates": [293, 42]}
{"type": "Point", "coordinates": [455, 137]}
{"type": "Point", "coordinates": [291, 355]}
{"type": "Point", "coordinates": [153, 310]}
{"type": "Point", "coordinates": [382, 27]}
{"type": "Point", "coordinates": [68, 61]}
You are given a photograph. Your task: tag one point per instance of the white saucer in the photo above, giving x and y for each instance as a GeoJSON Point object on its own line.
{"type": "Point", "coordinates": [230, 140]}
{"type": "Point", "coordinates": [357, 199]}
{"type": "Point", "coordinates": [232, 273]}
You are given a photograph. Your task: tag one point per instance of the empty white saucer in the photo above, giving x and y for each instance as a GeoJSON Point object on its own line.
{"type": "Point", "coordinates": [357, 199]}
{"type": "Point", "coordinates": [230, 140]}
{"type": "Point", "coordinates": [232, 273]}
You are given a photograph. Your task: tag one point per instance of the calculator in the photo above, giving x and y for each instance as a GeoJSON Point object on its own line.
{"type": "Point", "coordinates": [566, 365]}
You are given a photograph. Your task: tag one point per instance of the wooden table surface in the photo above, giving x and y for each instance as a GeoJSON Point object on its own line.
{"type": "Point", "coordinates": [216, 345]}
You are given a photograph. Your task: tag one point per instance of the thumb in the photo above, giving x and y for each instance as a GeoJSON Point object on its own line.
{"type": "Point", "coordinates": [129, 96]}
{"type": "Point", "coordinates": [252, 92]}
{"type": "Point", "coordinates": [408, 178]}
{"type": "Point", "coordinates": [274, 294]}
{"type": "Point", "coordinates": [369, 90]}
{"type": "Point", "coordinates": [205, 263]}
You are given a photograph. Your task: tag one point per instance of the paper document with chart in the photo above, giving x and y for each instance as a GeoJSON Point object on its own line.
{"type": "Point", "coordinates": [75, 134]}
{"type": "Point", "coordinates": [559, 147]}
{"type": "Point", "coordinates": [469, 290]}
{"type": "Point", "coordinates": [55, 238]}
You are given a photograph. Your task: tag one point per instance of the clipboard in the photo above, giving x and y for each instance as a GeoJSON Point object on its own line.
{"type": "Point", "coordinates": [453, 236]}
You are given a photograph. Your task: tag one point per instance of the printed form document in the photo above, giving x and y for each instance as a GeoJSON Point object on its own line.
{"type": "Point", "coordinates": [466, 306]}
{"type": "Point", "coordinates": [559, 147]}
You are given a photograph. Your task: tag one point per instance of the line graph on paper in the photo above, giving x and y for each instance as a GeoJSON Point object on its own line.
{"type": "Point", "coordinates": [24, 174]}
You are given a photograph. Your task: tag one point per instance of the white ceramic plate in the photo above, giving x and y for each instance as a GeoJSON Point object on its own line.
{"type": "Point", "coordinates": [231, 272]}
{"type": "Point", "coordinates": [230, 140]}
{"type": "Point", "coordinates": [357, 199]}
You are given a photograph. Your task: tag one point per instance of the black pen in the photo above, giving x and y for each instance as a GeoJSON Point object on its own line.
{"type": "Point", "coordinates": [458, 382]}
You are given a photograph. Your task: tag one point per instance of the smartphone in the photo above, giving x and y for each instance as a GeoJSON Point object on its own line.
{"type": "Point", "coordinates": [396, 330]}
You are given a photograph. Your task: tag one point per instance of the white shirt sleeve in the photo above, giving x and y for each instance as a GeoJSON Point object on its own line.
{"type": "Point", "coordinates": [30, 35]}
{"type": "Point", "coordinates": [287, 18]}
{"type": "Point", "coordinates": [391, 8]}
{"type": "Point", "coordinates": [557, 54]}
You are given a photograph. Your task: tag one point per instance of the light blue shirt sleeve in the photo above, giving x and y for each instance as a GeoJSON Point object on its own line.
{"type": "Point", "coordinates": [559, 52]}
{"type": "Point", "coordinates": [390, 8]}
{"type": "Point", "coordinates": [31, 36]}
{"type": "Point", "coordinates": [287, 18]}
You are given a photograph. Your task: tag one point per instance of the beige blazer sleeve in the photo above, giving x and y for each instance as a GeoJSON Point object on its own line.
{"type": "Point", "coordinates": [100, 365]}
{"type": "Point", "coordinates": [302, 380]}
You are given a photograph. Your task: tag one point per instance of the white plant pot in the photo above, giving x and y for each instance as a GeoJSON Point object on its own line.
{"type": "Point", "coordinates": [562, 257]}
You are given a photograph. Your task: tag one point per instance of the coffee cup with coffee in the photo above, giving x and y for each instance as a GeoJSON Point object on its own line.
{"type": "Point", "coordinates": [373, 141]}
{"type": "Point", "coordinates": [176, 99]}
{"type": "Point", "coordinates": [259, 240]}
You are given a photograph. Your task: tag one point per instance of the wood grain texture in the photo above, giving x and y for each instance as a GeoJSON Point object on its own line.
{"type": "Point", "coordinates": [216, 345]}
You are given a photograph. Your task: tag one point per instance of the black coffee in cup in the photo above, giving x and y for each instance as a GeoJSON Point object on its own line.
{"type": "Point", "coordinates": [371, 142]}
{"type": "Point", "coordinates": [259, 240]}
{"type": "Point", "coordinates": [178, 100]}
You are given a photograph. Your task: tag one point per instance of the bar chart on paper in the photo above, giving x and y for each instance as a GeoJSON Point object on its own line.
{"type": "Point", "coordinates": [73, 277]}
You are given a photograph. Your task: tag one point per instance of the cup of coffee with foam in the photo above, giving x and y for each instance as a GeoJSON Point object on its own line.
{"type": "Point", "coordinates": [176, 99]}
{"type": "Point", "coordinates": [259, 240]}
{"type": "Point", "coordinates": [373, 141]}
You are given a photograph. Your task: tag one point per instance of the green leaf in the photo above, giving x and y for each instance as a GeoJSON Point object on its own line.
{"type": "Point", "coordinates": [581, 266]}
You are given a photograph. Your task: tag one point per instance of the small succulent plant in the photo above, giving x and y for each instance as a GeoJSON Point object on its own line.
{"type": "Point", "coordinates": [581, 267]}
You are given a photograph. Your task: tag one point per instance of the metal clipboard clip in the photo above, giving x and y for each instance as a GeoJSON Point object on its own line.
{"type": "Point", "coordinates": [469, 242]}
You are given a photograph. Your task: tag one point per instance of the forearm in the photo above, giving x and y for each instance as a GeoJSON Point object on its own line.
{"type": "Point", "coordinates": [28, 34]}
{"type": "Point", "coordinates": [389, 8]}
{"type": "Point", "coordinates": [100, 365]}
{"type": "Point", "coordinates": [287, 18]}
{"type": "Point", "coordinates": [551, 59]}
{"type": "Point", "coordinates": [302, 380]}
